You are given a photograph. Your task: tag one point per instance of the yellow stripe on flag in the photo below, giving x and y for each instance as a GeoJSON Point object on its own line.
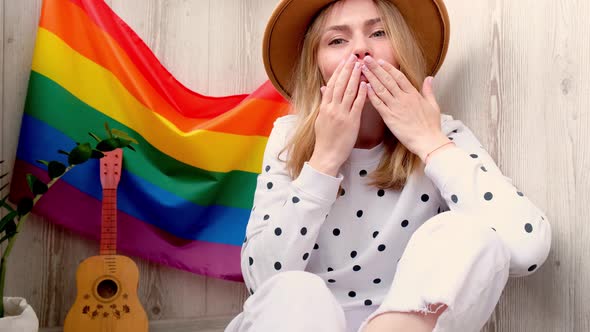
{"type": "Point", "coordinates": [99, 88]}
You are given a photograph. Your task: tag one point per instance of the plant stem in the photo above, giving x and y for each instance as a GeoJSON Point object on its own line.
{"type": "Point", "coordinates": [11, 241]}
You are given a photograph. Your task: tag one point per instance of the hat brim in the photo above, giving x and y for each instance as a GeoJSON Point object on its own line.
{"type": "Point", "coordinates": [288, 24]}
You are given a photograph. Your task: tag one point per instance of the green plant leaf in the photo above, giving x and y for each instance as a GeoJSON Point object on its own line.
{"type": "Point", "coordinates": [30, 181]}
{"type": "Point", "coordinates": [123, 143]}
{"type": "Point", "coordinates": [6, 237]}
{"type": "Point", "coordinates": [5, 205]}
{"type": "Point", "coordinates": [80, 154]}
{"type": "Point", "coordinates": [7, 218]}
{"type": "Point", "coordinates": [130, 147]}
{"type": "Point", "coordinates": [108, 144]}
{"type": "Point", "coordinates": [55, 169]}
{"type": "Point", "coordinates": [93, 135]}
{"type": "Point", "coordinates": [44, 162]}
{"type": "Point", "coordinates": [97, 154]}
{"type": "Point", "coordinates": [10, 228]}
{"type": "Point", "coordinates": [24, 206]}
{"type": "Point", "coordinates": [106, 126]}
{"type": "Point", "coordinates": [124, 135]}
{"type": "Point", "coordinates": [37, 186]}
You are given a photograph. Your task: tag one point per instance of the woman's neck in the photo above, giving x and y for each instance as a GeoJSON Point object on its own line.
{"type": "Point", "coordinates": [372, 128]}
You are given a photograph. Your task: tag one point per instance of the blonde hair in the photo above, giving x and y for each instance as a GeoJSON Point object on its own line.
{"type": "Point", "coordinates": [397, 162]}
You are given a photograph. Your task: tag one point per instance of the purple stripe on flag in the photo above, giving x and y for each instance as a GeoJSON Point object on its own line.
{"type": "Point", "coordinates": [66, 206]}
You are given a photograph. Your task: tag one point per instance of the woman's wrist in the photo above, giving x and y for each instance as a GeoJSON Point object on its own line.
{"type": "Point", "coordinates": [435, 147]}
{"type": "Point", "coordinates": [323, 165]}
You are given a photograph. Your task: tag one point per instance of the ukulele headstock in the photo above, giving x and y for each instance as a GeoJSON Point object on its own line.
{"type": "Point", "coordinates": [110, 168]}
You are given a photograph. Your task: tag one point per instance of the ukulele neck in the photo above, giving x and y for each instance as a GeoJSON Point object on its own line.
{"type": "Point", "coordinates": [108, 233]}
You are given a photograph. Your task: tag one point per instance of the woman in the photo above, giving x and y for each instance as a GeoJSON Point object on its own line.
{"type": "Point", "coordinates": [347, 232]}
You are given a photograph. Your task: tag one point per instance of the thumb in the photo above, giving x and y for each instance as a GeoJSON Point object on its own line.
{"type": "Point", "coordinates": [428, 91]}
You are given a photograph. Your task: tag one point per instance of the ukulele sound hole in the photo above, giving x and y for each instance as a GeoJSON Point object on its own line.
{"type": "Point", "coordinates": [107, 289]}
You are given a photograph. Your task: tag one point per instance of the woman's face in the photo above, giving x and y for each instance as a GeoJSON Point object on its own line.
{"type": "Point", "coordinates": [353, 27]}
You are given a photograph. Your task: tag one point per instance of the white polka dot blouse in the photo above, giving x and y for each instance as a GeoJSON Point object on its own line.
{"type": "Point", "coordinates": [352, 234]}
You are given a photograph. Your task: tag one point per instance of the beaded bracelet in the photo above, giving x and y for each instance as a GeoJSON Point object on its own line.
{"type": "Point", "coordinates": [428, 155]}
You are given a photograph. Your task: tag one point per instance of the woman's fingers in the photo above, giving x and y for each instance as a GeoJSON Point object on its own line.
{"type": "Point", "coordinates": [329, 91]}
{"type": "Point", "coordinates": [359, 101]}
{"type": "Point", "coordinates": [386, 79]}
{"type": "Point", "coordinates": [350, 94]}
{"type": "Point", "coordinates": [378, 88]}
{"type": "Point", "coordinates": [341, 83]}
{"type": "Point", "coordinates": [399, 77]}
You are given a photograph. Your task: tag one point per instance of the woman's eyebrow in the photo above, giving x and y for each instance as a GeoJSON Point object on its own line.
{"type": "Point", "coordinates": [344, 27]}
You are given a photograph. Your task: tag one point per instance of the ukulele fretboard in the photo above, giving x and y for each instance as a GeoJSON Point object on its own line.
{"type": "Point", "coordinates": [108, 233]}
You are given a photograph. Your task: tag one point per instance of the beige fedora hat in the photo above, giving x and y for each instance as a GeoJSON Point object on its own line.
{"type": "Point", "coordinates": [288, 24]}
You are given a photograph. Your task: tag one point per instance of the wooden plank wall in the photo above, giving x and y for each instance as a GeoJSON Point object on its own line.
{"type": "Point", "coordinates": [516, 74]}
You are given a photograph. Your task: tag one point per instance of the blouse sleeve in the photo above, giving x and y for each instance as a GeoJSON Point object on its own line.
{"type": "Point", "coordinates": [470, 182]}
{"type": "Point", "coordinates": [287, 214]}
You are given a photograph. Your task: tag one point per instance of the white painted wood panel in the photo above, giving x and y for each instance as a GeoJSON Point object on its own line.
{"type": "Point", "coordinates": [516, 74]}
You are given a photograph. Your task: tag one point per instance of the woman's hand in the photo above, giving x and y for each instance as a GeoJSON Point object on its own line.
{"type": "Point", "coordinates": [338, 121]}
{"type": "Point", "coordinates": [413, 118]}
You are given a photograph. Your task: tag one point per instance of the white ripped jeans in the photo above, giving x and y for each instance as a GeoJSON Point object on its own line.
{"type": "Point", "coordinates": [450, 259]}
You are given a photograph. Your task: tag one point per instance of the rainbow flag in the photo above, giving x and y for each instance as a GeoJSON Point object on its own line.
{"type": "Point", "coordinates": [185, 195]}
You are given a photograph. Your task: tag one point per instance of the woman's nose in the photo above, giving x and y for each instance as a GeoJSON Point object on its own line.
{"type": "Point", "coordinates": [362, 54]}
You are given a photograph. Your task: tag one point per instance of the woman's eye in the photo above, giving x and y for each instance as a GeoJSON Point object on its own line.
{"type": "Point", "coordinates": [337, 41]}
{"type": "Point", "coordinates": [379, 33]}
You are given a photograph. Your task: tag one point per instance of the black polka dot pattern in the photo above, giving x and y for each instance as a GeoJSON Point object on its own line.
{"type": "Point", "coordinates": [353, 254]}
{"type": "Point", "coordinates": [488, 196]}
{"type": "Point", "coordinates": [316, 246]}
{"type": "Point", "coordinates": [303, 231]}
{"type": "Point", "coordinates": [305, 256]}
{"type": "Point", "coordinates": [519, 193]}
{"type": "Point", "coordinates": [330, 269]}
{"type": "Point", "coordinates": [356, 268]}
{"type": "Point", "coordinates": [331, 281]}
{"type": "Point", "coordinates": [454, 199]}
{"type": "Point", "coordinates": [473, 155]}
{"type": "Point", "coordinates": [368, 302]}
{"type": "Point", "coordinates": [363, 173]}
{"type": "Point", "coordinates": [405, 223]}
{"type": "Point", "coordinates": [532, 267]}
{"type": "Point", "coordinates": [342, 192]}
{"type": "Point", "coordinates": [528, 228]}
{"type": "Point", "coordinates": [267, 168]}
{"type": "Point", "coordinates": [381, 193]}
{"type": "Point", "coordinates": [295, 199]}
{"type": "Point", "coordinates": [359, 213]}
{"type": "Point", "coordinates": [375, 233]}
{"type": "Point", "coordinates": [381, 247]}
{"type": "Point", "coordinates": [251, 260]}
{"type": "Point", "coordinates": [278, 231]}
{"type": "Point", "coordinates": [336, 232]}
{"type": "Point", "coordinates": [424, 198]}
{"type": "Point", "coordinates": [352, 293]}
{"type": "Point", "coordinates": [278, 266]}
{"type": "Point", "coordinates": [483, 169]}
{"type": "Point", "coordinates": [266, 217]}
{"type": "Point", "coordinates": [376, 281]}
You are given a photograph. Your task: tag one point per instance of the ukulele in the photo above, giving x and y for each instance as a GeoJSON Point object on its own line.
{"type": "Point", "coordinates": [106, 298]}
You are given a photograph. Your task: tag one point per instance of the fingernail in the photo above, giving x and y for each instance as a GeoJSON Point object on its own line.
{"type": "Point", "coordinates": [368, 59]}
{"type": "Point", "coordinates": [352, 58]}
{"type": "Point", "coordinates": [322, 89]}
{"type": "Point", "coordinates": [357, 65]}
{"type": "Point", "coordinates": [363, 85]}
{"type": "Point", "coordinates": [381, 62]}
{"type": "Point", "coordinates": [369, 86]}
{"type": "Point", "coordinates": [364, 68]}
